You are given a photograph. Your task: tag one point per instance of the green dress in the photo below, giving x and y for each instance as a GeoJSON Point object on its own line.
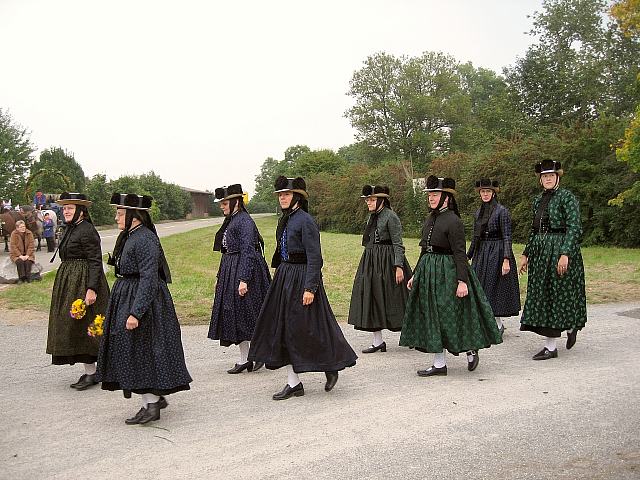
{"type": "Point", "coordinates": [435, 318]}
{"type": "Point", "coordinates": [555, 303]}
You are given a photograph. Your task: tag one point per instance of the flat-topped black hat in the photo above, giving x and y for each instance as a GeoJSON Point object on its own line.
{"type": "Point", "coordinates": [488, 184]}
{"type": "Point", "coordinates": [439, 184]}
{"type": "Point", "coordinates": [227, 193]}
{"type": "Point", "coordinates": [296, 185]}
{"type": "Point", "coordinates": [70, 198]}
{"type": "Point", "coordinates": [549, 166]}
{"type": "Point", "coordinates": [131, 201]}
{"type": "Point", "coordinates": [375, 191]}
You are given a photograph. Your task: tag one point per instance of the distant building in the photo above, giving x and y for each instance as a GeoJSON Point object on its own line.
{"type": "Point", "coordinates": [200, 202]}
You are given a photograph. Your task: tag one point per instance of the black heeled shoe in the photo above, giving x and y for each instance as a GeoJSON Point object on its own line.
{"type": "Point", "coordinates": [288, 392]}
{"type": "Point", "coordinates": [475, 359]}
{"type": "Point", "coordinates": [150, 414]}
{"type": "Point", "coordinates": [86, 382]}
{"type": "Point", "coordinates": [257, 366]}
{"type": "Point", "coordinates": [572, 336]}
{"type": "Point", "coordinates": [545, 354]}
{"type": "Point", "coordinates": [433, 371]}
{"type": "Point", "coordinates": [372, 349]}
{"type": "Point", "coordinates": [80, 380]}
{"type": "Point", "coordinates": [162, 402]}
{"type": "Point", "coordinates": [241, 367]}
{"type": "Point", "coordinates": [136, 418]}
{"type": "Point", "coordinates": [332, 379]}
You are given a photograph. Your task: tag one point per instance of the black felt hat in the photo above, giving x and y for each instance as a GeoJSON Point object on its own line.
{"type": "Point", "coordinates": [438, 184]}
{"type": "Point", "coordinates": [296, 185]}
{"type": "Point", "coordinates": [131, 201]}
{"type": "Point", "coordinates": [70, 198]}
{"type": "Point", "coordinates": [488, 184]}
{"type": "Point", "coordinates": [549, 166]}
{"type": "Point", "coordinates": [375, 191]}
{"type": "Point", "coordinates": [227, 193]}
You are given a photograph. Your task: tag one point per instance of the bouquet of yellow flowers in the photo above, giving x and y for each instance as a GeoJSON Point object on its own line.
{"type": "Point", "coordinates": [96, 328]}
{"type": "Point", "coordinates": [78, 309]}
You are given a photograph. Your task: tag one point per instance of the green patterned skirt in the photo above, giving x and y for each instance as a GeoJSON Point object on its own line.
{"type": "Point", "coordinates": [67, 340]}
{"type": "Point", "coordinates": [435, 319]}
{"type": "Point", "coordinates": [554, 303]}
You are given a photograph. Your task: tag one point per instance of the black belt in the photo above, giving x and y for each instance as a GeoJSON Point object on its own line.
{"type": "Point", "coordinates": [384, 242]}
{"type": "Point", "coordinates": [550, 230]}
{"type": "Point", "coordinates": [438, 250]}
{"type": "Point", "coordinates": [128, 275]}
{"type": "Point", "coordinates": [297, 257]}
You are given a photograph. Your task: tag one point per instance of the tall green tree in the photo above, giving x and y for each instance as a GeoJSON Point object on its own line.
{"type": "Point", "coordinates": [318, 161]}
{"type": "Point", "coordinates": [54, 163]}
{"type": "Point", "coordinates": [99, 192]}
{"type": "Point", "coordinates": [16, 152]}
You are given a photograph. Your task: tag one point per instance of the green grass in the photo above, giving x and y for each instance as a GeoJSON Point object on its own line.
{"type": "Point", "coordinates": [612, 274]}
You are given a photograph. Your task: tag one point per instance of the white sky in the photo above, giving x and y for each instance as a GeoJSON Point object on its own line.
{"type": "Point", "coordinates": [202, 91]}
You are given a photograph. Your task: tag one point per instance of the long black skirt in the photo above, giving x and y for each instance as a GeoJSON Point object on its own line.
{"type": "Point", "coordinates": [289, 333]}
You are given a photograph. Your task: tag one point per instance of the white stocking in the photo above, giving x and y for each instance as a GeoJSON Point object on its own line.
{"type": "Point", "coordinates": [90, 368]}
{"type": "Point", "coordinates": [499, 322]}
{"type": "Point", "coordinates": [377, 338]}
{"type": "Point", "coordinates": [293, 379]}
{"type": "Point", "coordinates": [244, 351]}
{"type": "Point", "coordinates": [148, 398]}
{"type": "Point", "coordinates": [439, 360]}
{"type": "Point", "coordinates": [550, 343]}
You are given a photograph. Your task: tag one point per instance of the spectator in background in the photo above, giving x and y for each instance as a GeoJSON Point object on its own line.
{"type": "Point", "coordinates": [49, 232]}
{"type": "Point", "coordinates": [39, 200]}
{"type": "Point", "coordinates": [6, 205]}
{"type": "Point", "coordinates": [22, 251]}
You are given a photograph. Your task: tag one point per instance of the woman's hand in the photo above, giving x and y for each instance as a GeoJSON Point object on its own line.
{"type": "Point", "coordinates": [90, 297]}
{"type": "Point", "coordinates": [506, 266]}
{"type": "Point", "coordinates": [524, 262]}
{"type": "Point", "coordinates": [242, 289]}
{"type": "Point", "coordinates": [307, 298]}
{"type": "Point", "coordinates": [410, 283]}
{"type": "Point", "coordinates": [563, 265]}
{"type": "Point", "coordinates": [132, 322]}
{"type": "Point", "coordinates": [399, 275]}
{"type": "Point", "coordinates": [462, 290]}
{"type": "Point", "coordinates": [24, 258]}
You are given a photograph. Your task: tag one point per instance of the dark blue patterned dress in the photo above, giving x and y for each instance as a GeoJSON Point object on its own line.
{"type": "Point", "coordinates": [149, 358]}
{"type": "Point", "coordinates": [233, 318]}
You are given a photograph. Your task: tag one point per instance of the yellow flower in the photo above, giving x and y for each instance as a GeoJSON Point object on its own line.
{"type": "Point", "coordinates": [78, 309]}
{"type": "Point", "coordinates": [96, 329]}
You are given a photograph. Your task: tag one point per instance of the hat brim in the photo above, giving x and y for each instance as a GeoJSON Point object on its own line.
{"type": "Point", "coordinates": [379, 195]}
{"type": "Point", "coordinates": [495, 189]}
{"type": "Point", "coordinates": [73, 201]}
{"type": "Point", "coordinates": [448, 190]}
{"type": "Point", "coordinates": [559, 172]}
{"type": "Point", "coordinates": [127, 207]}
{"type": "Point", "coordinates": [295, 190]}
{"type": "Point", "coordinates": [235, 195]}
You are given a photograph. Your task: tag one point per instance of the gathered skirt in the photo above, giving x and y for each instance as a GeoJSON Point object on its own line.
{"type": "Point", "coordinates": [67, 340]}
{"type": "Point", "coordinates": [233, 318]}
{"type": "Point", "coordinates": [436, 319]}
{"type": "Point", "coordinates": [149, 358]}
{"type": "Point", "coordinates": [289, 333]}
{"type": "Point", "coordinates": [554, 303]}
{"type": "Point", "coordinates": [502, 291]}
{"type": "Point", "coordinates": [377, 301]}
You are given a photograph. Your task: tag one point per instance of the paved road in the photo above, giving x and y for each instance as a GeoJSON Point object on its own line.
{"type": "Point", "coordinates": [576, 416]}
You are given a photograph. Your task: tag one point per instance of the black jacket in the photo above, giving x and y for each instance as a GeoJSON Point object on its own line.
{"type": "Point", "coordinates": [447, 234]}
{"type": "Point", "coordinates": [81, 241]}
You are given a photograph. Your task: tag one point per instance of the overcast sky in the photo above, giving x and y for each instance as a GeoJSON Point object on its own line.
{"type": "Point", "coordinates": [202, 91]}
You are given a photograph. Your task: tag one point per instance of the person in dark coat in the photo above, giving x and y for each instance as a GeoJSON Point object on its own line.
{"type": "Point", "coordinates": [379, 289]}
{"type": "Point", "coordinates": [447, 308]}
{"type": "Point", "coordinates": [556, 299]}
{"type": "Point", "coordinates": [48, 227]}
{"type": "Point", "coordinates": [243, 277]}
{"type": "Point", "coordinates": [492, 255]}
{"type": "Point", "coordinates": [22, 250]}
{"type": "Point", "coordinates": [141, 351]}
{"type": "Point", "coordinates": [296, 327]}
{"type": "Point", "coordinates": [80, 276]}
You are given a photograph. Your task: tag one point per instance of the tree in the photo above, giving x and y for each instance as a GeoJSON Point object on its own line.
{"type": "Point", "coordinates": [318, 161]}
{"type": "Point", "coordinates": [292, 154]}
{"type": "Point", "coordinates": [15, 158]}
{"type": "Point", "coordinates": [408, 106]}
{"type": "Point", "coordinates": [99, 192]}
{"type": "Point", "coordinates": [55, 162]}
{"type": "Point", "coordinates": [627, 13]}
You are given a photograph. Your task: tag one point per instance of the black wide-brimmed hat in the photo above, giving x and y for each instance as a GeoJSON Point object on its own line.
{"type": "Point", "coordinates": [438, 184]}
{"type": "Point", "coordinates": [488, 184]}
{"type": "Point", "coordinates": [131, 201]}
{"type": "Point", "coordinates": [227, 193]}
{"type": "Point", "coordinates": [70, 198]}
{"type": "Point", "coordinates": [549, 166]}
{"type": "Point", "coordinates": [296, 185]}
{"type": "Point", "coordinates": [375, 191]}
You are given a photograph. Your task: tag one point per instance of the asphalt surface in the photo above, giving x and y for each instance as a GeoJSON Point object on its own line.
{"type": "Point", "coordinates": [573, 417]}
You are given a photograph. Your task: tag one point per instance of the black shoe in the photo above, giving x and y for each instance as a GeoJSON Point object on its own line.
{"type": "Point", "coordinates": [136, 418]}
{"type": "Point", "coordinates": [571, 338]}
{"type": "Point", "coordinates": [475, 359]}
{"type": "Point", "coordinates": [257, 366]}
{"type": "Point", "coordinates": [86, 382]}
{"type": "Point", "coordinates": [288, 392]}
{"type": "Point", "coordinates": [150, 414]}
{"type": "Point", "coordinates": [162, 402]}
{"type": "Point", "coordinates": [241, 367]}
{"type": "Point", "coordinates": [332, 379]}
{"type": "Point", "coordinates": [382, 347]}
{"type": "Point", "coordinates": [80, 380]}
{"type": "Point", "coordinates": [431, 371]}
{"type": "Point", "coordinates": [545, 354]}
